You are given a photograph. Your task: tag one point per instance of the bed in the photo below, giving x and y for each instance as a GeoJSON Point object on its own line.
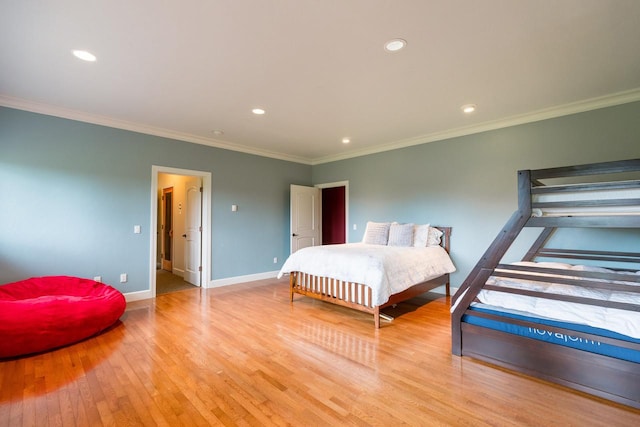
{"type": "Point", "coordinates": [395, 262]}
{"type": "Point", "coordinates": [563, 314]}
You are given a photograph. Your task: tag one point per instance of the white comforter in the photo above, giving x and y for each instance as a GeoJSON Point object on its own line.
{"type": "Point", "coordinates": [621, 321]}
{"type": "Point", "coordinates": [387, 270]}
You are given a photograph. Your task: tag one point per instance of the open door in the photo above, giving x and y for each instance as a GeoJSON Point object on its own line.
{"type": "Point", "coordinates": [305, 217]}
{"type": "Point", "coordinates": [193, 231]}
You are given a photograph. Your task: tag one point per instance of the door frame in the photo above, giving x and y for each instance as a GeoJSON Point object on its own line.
{"type": "Point", "coordinates": [206, 223]}
{"type": "Point", "coordinates": [344, 184]}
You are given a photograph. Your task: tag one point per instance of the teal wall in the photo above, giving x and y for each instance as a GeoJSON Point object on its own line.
{"type": "Point", "coordinates": [72, 192]}
{"type": "Point", "coordinates": [469, 182]}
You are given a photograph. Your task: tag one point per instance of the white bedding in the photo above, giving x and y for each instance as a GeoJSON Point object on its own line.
{"type": "Point", "coordinates": [621, 321]}
{"type": "Point", "coordinates": [387, 270]}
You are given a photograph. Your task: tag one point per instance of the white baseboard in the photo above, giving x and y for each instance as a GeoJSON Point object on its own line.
{"type": "Point", "coordinates": [146, 294]}
{"type": "Point", "coordinates": [138, 295]}
{"type": "Point", "coordinates": [241, 279]}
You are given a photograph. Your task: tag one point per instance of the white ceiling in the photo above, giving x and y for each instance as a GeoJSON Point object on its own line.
{"type": "Point", "coordinates": [185, 68]}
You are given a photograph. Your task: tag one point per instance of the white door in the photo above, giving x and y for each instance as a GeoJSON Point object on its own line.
{"type": "Point", "coordinates": [193, 231]}
{"type": "Point", "coordinates": [305, 217]}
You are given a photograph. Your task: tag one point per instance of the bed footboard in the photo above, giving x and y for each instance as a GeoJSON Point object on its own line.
{"type": "Point", "coordinates": [347, 294]}
{"type": "Point", "coordinates": [354, 295]}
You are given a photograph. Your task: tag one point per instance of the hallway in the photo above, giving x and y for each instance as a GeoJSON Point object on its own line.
{"type": "Point", "coordinates": [167, 282]}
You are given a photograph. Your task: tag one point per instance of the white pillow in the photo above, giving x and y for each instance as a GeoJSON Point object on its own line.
{"type": "Point", "coordinates": [420, 235]}
{"type": "Point", "coordinates": [376, 233]}
{"type": "Point", "coordinates": [400, 235]}
{"type": "Point", "coordinates": [434, 237]}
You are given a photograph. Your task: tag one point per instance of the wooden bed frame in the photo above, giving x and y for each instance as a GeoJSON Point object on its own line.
{"type": "Point", "coordinates": [607, 377]}
{"type": "Point", "coordinates": [358, 296]}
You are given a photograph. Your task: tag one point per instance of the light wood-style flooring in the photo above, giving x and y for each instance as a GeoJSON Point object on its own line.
{"type": "Point", "coordinates": [244, 355]}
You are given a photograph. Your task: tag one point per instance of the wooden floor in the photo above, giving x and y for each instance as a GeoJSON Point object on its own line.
{"type": "Point", "coordinates": [243, 355]}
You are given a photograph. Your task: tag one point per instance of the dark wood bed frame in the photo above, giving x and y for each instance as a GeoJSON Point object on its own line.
{"type": "Point", "coordinates": [607, 377]}
{"type": "Point", "coordinates": [349, 294]}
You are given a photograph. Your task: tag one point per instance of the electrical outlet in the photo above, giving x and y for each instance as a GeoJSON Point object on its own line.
{"type": "Point", "coordinates": [355, 226]}
{"type": "Point", "coordinates": [123, 278]}
{"type": "Point", "coordinates": [98, 279]}
{"type": "Point", "coordinates": [275, 260]}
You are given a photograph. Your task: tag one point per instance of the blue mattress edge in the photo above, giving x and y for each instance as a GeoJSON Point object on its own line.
{"type": "Point", "coordinates": [557, 338]}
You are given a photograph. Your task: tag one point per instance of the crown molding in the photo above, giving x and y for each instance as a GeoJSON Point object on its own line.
{"type": "Point", "coordinates": [65, 113]}
{"type": "Point", "coordinates": [610, 100]}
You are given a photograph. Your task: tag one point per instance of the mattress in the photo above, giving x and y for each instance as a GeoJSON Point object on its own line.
{"type": "Point", "coordinates": [625, 322]}
{"type": "Point", "coordinates": [543, 334]}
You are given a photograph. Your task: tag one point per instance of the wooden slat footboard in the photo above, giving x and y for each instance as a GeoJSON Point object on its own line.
{"type": "Point", "coordinates": [354, 295]}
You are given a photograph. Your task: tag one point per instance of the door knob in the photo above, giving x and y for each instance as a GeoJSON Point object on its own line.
{"type": "Point", "coordinates": [184, 235]}
{"type": "Point", "coordinates": [294, 234]}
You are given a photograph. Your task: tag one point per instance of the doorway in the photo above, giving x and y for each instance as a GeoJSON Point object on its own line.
{"type": "Point", "coordinates": [334, 225]}
{"type": "Point", "coordinates": [166, 227]}
{"type": "Point", "coordinates": [181, 224]}
{"type": "Point", "coordinates": [314, 217]}
{"type": "Point", "coordinates": [335, 212]}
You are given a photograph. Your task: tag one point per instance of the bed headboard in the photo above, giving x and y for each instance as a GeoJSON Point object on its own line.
{"type": "Point", "coordinates": [445, 240]}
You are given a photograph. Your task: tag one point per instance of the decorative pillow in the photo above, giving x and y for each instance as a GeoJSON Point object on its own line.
{"type": "Point", "coordinates": [420, 235]}
{"type": "Point", "coordinates": [376, 233]}
{"type": "Point", "coordinates": [434, 237]}
{"type": "Point", "coordinates": [400, 235]}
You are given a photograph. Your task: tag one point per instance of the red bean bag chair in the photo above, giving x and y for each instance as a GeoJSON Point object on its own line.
{"type": "Point", "coordinates": [43, 313]}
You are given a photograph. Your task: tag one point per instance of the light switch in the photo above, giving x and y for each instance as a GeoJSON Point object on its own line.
{"type": "Point", "coordinates": [136, 229]}
{"type": "Point", "coordinates": [234, 208]}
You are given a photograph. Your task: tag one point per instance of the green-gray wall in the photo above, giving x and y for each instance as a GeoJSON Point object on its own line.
{"type": "Point", "coordinates": [469, 182]}
{"type": "Point", "coordinates": [72, 192]}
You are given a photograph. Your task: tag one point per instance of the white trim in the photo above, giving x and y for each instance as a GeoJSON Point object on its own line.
{"type": "Point", "coordinates": [206, 221]}
{"type": "Point", "coordinates": [619, 98]}
{"type": "Point", "coordinates": [242, 279]}
{"type": "Point", "coordinates": [333, 184]}
{"type": "Point", "coordinates": [66, 113]}
{"type": "Point", "coordinates": [344, 184]}
{"type": "Point", "coordinates": [610, 100]}
{"type": "Point", "coordinates": [138, 295]}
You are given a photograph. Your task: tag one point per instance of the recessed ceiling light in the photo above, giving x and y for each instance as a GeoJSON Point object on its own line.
{"type": "Point", "coordinates": [217, 132]}
{"type": "Point", "coordinates": [468, 108]}
{"type": "Point", "coordinates": [395, 45]}
{"type": "Point", "coordinates": [258, 111]}
{"type": "Point", "coordinates": [84, 55]}
{"type": "Point", "coordinates": [346, 140]}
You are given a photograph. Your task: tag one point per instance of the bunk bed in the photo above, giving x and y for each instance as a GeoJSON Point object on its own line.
{"type": "Point", "coordinates": [421, 273]}
{"type": "Point", "coordinates": [566, 315]}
